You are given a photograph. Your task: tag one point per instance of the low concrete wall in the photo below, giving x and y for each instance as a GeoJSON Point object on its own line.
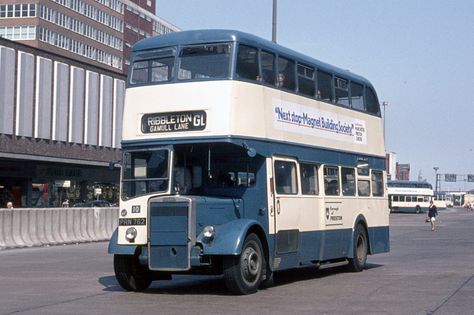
{"type": "Point", "coordinates": [51, 226]}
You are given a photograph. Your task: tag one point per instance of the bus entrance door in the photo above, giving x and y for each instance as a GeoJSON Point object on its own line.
{"type": "Point", "coordinates": [287, 213]}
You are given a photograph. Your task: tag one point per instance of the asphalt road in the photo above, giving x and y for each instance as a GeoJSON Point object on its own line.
{"type": "Point", "coordinates": [425, 273]}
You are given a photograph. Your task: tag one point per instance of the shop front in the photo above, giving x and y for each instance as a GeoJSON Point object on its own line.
{"type": "Point", "coordinates": [40, 184]}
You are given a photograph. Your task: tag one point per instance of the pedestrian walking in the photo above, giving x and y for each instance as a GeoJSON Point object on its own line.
{"type": "Point", "coordinates": [432, 214]}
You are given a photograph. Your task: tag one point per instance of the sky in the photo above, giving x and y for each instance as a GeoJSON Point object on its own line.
{"type": "Point", "coordinates": [418, 54]}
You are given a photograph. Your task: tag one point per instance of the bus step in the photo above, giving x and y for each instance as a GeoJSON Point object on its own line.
{"type": "Point", "coordinates": [326, 265]}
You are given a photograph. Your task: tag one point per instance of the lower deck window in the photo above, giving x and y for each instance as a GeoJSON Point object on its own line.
{"type": "Point", "coordinates": [309, 179]}
{"type": "Point", "coordinates": [331, 180]}
{"type": "Point", "coordinates": [377, 183]}
{"type": "Point", "coordinates": [285, 177]}
{"type": "Point", "coordinates": [348, 181]}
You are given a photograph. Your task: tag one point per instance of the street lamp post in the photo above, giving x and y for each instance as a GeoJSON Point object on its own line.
{"type": "Point", "coordinates": [274, 22]}
{"type": "Point", "coordinates": [436, 177]}
{"type": "Point", "coordinates": [384, 104]}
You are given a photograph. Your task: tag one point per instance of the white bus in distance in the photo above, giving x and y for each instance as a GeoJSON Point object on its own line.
{"type": "Point", "coordinates": [227, 170]}
{"type": "Point", "coordinates": [409, 196]}
{"type": "Point", "coordinates": [441, 200]}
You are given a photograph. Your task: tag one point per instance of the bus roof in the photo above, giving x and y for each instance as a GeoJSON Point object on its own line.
{"type": "Point", "coordinates": [408, 183]}
{"type": "Point", "coordinates": [218, 35]}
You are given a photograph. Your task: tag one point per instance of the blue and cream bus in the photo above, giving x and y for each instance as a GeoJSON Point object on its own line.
{"type": "Point", "coordinates": [244, 158]}
{"type": "Point", "coordinates": [409, 196]}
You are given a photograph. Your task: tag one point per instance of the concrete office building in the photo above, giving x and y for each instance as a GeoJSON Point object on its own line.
{"type": "Point", "coordinates": [99, 32]}
{"type": "Point", "coordinates": [62, 83]}
{"type": "Point", "coordinates": [60, 125]}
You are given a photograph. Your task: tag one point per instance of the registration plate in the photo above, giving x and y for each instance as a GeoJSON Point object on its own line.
{"type": "Point", "coordinates": [132, 221]}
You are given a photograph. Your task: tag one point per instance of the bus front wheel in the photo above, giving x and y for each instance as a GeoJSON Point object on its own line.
{"type": "Point", "coordinates": [130, 274]}
{"type": "Point", "coordinates": [243, 273]}
{"type": "Point", "coordinates": [418, 209]}
{"type": "Point", "coordinates": [357, 263]}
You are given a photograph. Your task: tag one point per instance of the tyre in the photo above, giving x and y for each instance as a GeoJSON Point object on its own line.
{"type": "Point", "coordinates": [130, 274]}
{"type": "Point", "coordinates": [267, 277]}
{"type": "Point", "coordinates": [357, 263]}
{"type": "Point", "coordinates": [418, 209]}
{"type": "Point", "coordinates": [243, 273]}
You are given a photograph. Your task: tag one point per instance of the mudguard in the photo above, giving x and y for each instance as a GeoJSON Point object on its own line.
{"type": "Point", "coordinates": [115, 248]}
{"type": "Point", "coordinates": [379, 238]}
{"type": "Point", "coordinates": [228, 238]}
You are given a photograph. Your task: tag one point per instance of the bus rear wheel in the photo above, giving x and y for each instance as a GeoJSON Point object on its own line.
{"type": "Point", "coordinates": [361, 246]}
{"type": "Point", "coordinates": [130, 274]}
{"type": "Point", "coordinates": [418, 209]}
{"type": "Point", "coordinates": [243, 273]}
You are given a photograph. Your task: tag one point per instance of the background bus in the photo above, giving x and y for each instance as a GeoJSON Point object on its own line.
{"type": "Point", "coordinates": [244, 158]}
{"type": "Point", "coordinates": [409, 196]}
{"type": "Point", "coordinates": [441, 200]}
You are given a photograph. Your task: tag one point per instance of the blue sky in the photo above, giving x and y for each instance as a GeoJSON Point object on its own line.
{"type": "Point", "coordinates": [419, 55]}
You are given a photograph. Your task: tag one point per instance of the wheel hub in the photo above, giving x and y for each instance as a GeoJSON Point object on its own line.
{"type": "Point", "coordinates": [251, 263]}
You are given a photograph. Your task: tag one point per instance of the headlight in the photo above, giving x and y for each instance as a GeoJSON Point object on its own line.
{"type": "Point", "coordinates": [208, 232]}
{"type": "Point", "coordinates": [131, 234]}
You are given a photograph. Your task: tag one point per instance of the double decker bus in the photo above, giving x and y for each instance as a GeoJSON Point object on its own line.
{"type": "Point", "coordinates": [244, 158]}
{"type": "Point", "coordinates": [409, 196]}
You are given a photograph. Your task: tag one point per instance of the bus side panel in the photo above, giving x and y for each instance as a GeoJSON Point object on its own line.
{"type": "Point", "coordinates": [315, 246]}
{"type": "Point", "coordinates": [325, 245]}
{"type": "Point", "coordinates": [409, 209]}
{"type": "Point", "coordinates": [379, 238]}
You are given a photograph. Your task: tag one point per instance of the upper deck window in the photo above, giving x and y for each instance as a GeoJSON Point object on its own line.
{"type": "Point", "coordinates": [306, 80]}
{"type": "Point", "coordinates": [286, 73]}
{"type": "Point", "coordinates": [342, 91]}
{"type": "Point", "coordinates": [357, 96]}
{"type": "Point", "coordinates": [268, 67]}
{"type": "Point", "coordinates": [324, 86]}
{"type": "Point", "coordinates": [209, 61]}
{"type": "Point", "coordinates": [139, 73]}
{"type": "Point", "coordinates": [372, 103]}
{"type": "Point", "coordinates": [247, 63]}
{"type": "Point", "coordinates": [152, 67]}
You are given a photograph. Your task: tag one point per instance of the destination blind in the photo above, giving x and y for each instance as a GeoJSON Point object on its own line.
{"type": "Point", "coordinates": [173, 122]}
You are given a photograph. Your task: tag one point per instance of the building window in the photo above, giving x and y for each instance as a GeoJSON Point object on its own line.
{"type": "Point", "coordinates": [79, 48]}
{"type": "Point", "coordinates": [80, 27]}
{"type": "Point", "coordinates": [95, 13]}
{"type": "Point", "coordinates": [17, 10]}
{"type": "Point", "coordinates": [18, 32]}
